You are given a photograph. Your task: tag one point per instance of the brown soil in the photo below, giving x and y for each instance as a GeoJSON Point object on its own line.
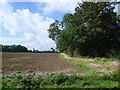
{"type": "Point", "coordinates": [40, 63]}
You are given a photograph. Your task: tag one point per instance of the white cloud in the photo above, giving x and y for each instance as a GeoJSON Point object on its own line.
{"type": "Point", "coordinates": [58, 5]}
{"type": "Point", "coordinates": [40, 0]}
{"type": "Point", "coordinates": [32, 28]}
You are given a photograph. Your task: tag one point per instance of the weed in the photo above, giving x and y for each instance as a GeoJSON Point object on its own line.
{"type": "Point", "coordinates": [19, 58]}
{"type": "Point", "coordinates": [13, 65]}
{"type": "Point", "coordinates": [60, 81]}
{"type": "Point", "coordinates": [29, 71]}
{"type": "Point", "coordinates": [18, 72]}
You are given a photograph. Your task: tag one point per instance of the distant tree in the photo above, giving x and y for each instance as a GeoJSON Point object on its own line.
{"type": "Point", "coordinates": [29, 50]}
{"type": "Point", "coordinates": [0, 47]}
{"type": "Point", "coordinates": [53, 50]}
{"type": "Point", "coordinates": [6, 48]}
{"type": "Point", "coordinates": [14, 48]}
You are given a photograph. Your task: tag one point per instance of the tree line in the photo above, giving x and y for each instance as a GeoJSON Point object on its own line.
{"type": "Point", "coordinates": [20, 48]}
{"type": "Point", "coordinates": [93, 30]}
{"type": "Point", "coordinates": [13, 48]}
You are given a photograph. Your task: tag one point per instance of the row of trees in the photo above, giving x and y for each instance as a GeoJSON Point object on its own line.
{"type": "Point", "coordinates": [45, 51]}
{"type": "Point", "coordinates": [13, 48]}
{"type": "Point", "coordinates": [93, 30]}
{"type": "Point", "coordinates": [19, 48]}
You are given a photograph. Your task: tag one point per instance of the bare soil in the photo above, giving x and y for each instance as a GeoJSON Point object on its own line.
{"type": "Point", "coordinates": [40, 63]}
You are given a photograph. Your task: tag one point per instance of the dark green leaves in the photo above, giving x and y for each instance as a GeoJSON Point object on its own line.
{"type": "Point", "coordinates": [93, 30]}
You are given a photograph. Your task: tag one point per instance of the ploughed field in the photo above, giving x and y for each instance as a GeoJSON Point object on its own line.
{"type": "Point", "coordinates": [39, 63]}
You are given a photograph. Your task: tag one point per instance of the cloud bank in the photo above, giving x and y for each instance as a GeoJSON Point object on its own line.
{"type": "Point", "coordinates": [26, 28]}
{"type": "Point", "coordinates": [58, 5]}
{"type": "Point", "coordinates": [30, 29]}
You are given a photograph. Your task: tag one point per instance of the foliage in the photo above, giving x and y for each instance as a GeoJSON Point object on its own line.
{"type": "Point", "coordinates": [14, 48]}
{"type": "Point", "coordinates": [19, 48]}
{"type": "Point", "coordinates": [60, 81]}
{"type": "Point", "coordinates": [54, 30]}
{"type": "Point", "coordinates": [93, 30]}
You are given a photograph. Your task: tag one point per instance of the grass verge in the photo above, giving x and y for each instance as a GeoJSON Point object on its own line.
{"type": "Point", "coordinates": [81, 64]}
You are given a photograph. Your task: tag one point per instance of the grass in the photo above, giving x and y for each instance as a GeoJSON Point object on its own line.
{"type": "Point", "coordinates": [81, 64]}
{"type": "Point", "coordinates": [99, 59]}
{"type": "Point", "coordinates": [102, 60]}
{"type": "Point", "coordinates": [95, 66]}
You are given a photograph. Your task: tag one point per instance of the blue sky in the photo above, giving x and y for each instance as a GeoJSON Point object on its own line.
{"type": "Point", "coordinates": [33, 7]}
{"type": "Point", "coordinates": [25, 5]}
{"type": "Point", "coordinates": [26, 23]}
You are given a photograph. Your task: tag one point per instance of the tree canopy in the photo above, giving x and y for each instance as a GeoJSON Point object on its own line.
{"type": "Point", "coordinates": [93, 30]}
{"type": "Point", "coordinates": [13, 48]}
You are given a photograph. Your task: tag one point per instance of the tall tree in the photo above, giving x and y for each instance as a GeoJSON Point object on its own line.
{"type": "Point", "coordinates": [54, 30]}
{"type": "Point", "coordinates": [93, 30]}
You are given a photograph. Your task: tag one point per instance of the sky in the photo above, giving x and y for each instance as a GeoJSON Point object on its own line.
{"type": "Point", "coordinates": [26, 23]}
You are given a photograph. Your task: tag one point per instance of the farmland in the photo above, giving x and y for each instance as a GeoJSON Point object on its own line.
{"type": "Point", "coordinates": [40, 63]}
{"type": "Point", "coordinates": [54, 70]}
{"type": "Point", "coordinates": [85, 52]}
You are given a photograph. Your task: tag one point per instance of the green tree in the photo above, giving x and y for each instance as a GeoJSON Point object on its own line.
{"type": "Point", "coordinates": [14, 48]}
{"type": "Point", "coordinates": [93, 30]}
{"type": "Point", "coordinates": [54, 30]}
{"type": "Point", "coordinates": [100, 27]}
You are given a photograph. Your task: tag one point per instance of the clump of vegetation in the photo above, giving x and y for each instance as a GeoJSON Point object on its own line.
{"type": "Point", "coordinates": [60, 81]}
{"type": "Point", "coordinates": [29, 71]}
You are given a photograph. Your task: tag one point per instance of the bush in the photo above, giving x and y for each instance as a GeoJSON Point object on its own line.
{"type": "Point", "coordinates": [61, 80]}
